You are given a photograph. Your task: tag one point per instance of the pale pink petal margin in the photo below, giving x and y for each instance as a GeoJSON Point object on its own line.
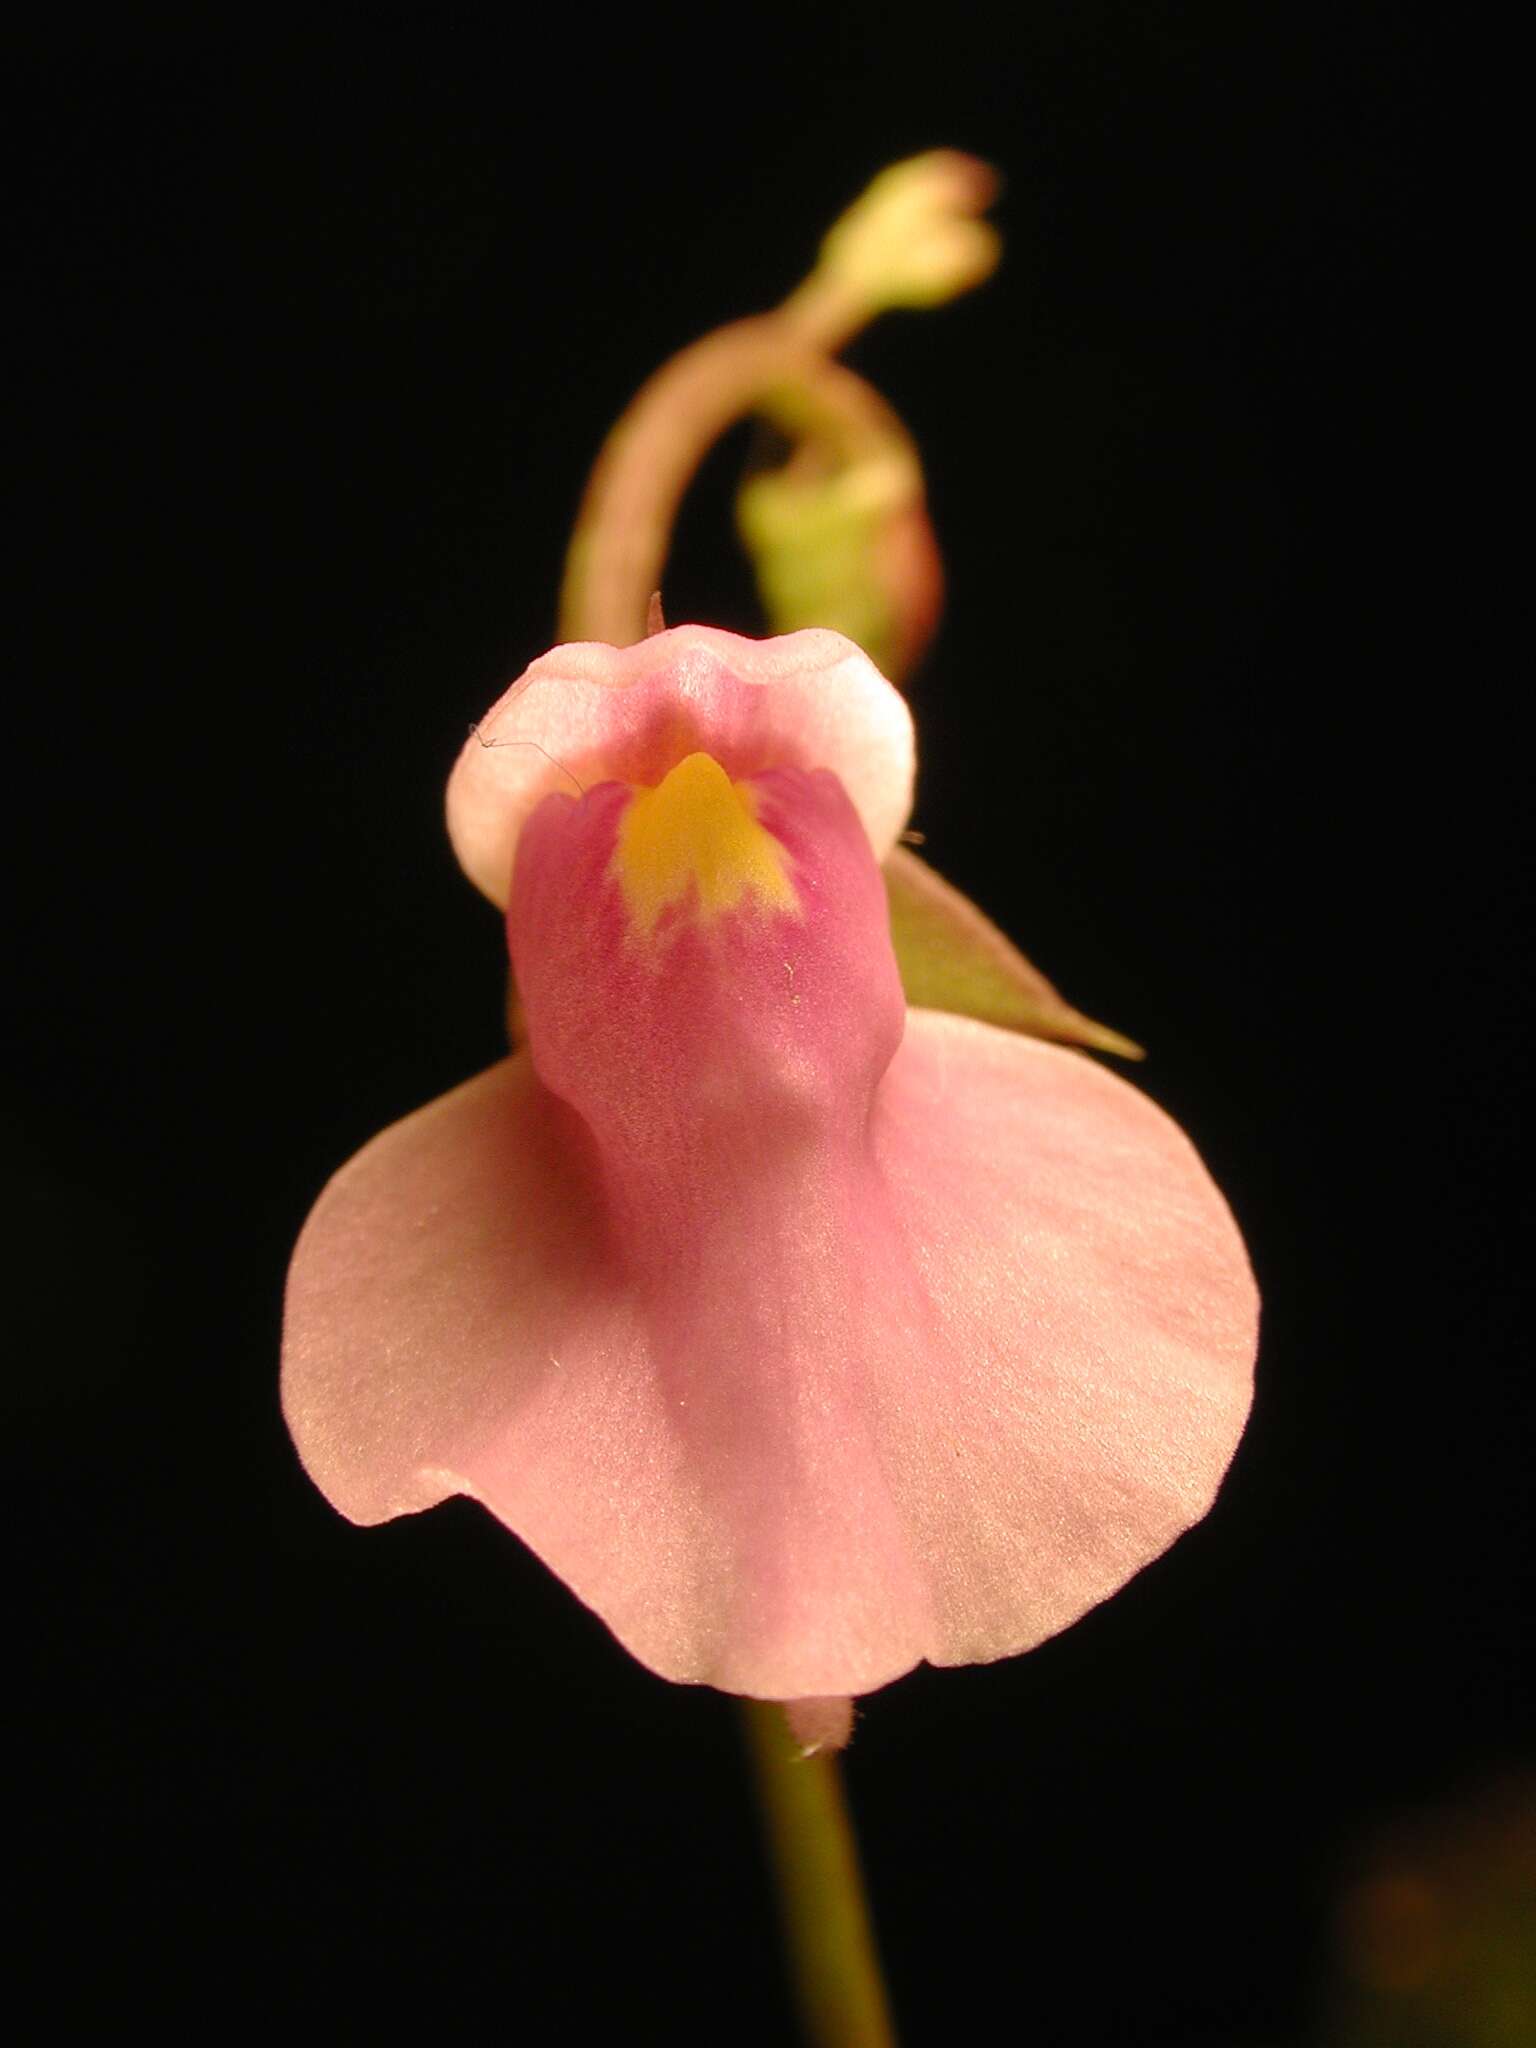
{"type": "Point", "coordinates": [588, 712]}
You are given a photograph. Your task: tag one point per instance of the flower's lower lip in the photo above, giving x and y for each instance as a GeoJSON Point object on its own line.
{"type": "Point", "coordinates": [1050, 1402]}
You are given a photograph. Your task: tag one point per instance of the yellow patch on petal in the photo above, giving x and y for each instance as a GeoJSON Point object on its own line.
{"type": "Point", "coordinates": [698, 830]}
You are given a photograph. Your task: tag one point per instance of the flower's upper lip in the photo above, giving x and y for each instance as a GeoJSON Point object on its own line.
{"type": "Point", "coordinates": [691, 651]}
{"type": "Point", "coordinates": [587, 710]}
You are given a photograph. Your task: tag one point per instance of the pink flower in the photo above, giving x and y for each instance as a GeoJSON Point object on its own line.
{"type": "Point", "coordinates": [804, 1335]}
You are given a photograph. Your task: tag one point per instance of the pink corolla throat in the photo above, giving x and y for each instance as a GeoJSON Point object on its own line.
{"type": "Point", "coordinates": [805, 1336]}
{"type": "Point", "coordinates": [708, 981]}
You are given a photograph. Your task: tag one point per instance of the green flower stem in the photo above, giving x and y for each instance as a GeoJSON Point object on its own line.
{"type": "Point", "coordinates": [821, 1894]}
{"type": "Point", "coordinates": [624, 526]}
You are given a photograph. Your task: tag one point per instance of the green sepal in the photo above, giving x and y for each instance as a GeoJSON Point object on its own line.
{"type": "Point", "coordinates": [952, 957]}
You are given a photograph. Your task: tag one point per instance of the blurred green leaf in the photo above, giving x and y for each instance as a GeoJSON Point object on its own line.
{"type": "Point", "coordinates": [952, 957]}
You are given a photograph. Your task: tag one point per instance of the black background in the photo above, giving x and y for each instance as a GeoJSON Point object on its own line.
{"type": "Point", "coordinates": [321, 330]}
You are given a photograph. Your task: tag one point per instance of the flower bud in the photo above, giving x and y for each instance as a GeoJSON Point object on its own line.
{"type": "Point", "coordinates": [915, 238]}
